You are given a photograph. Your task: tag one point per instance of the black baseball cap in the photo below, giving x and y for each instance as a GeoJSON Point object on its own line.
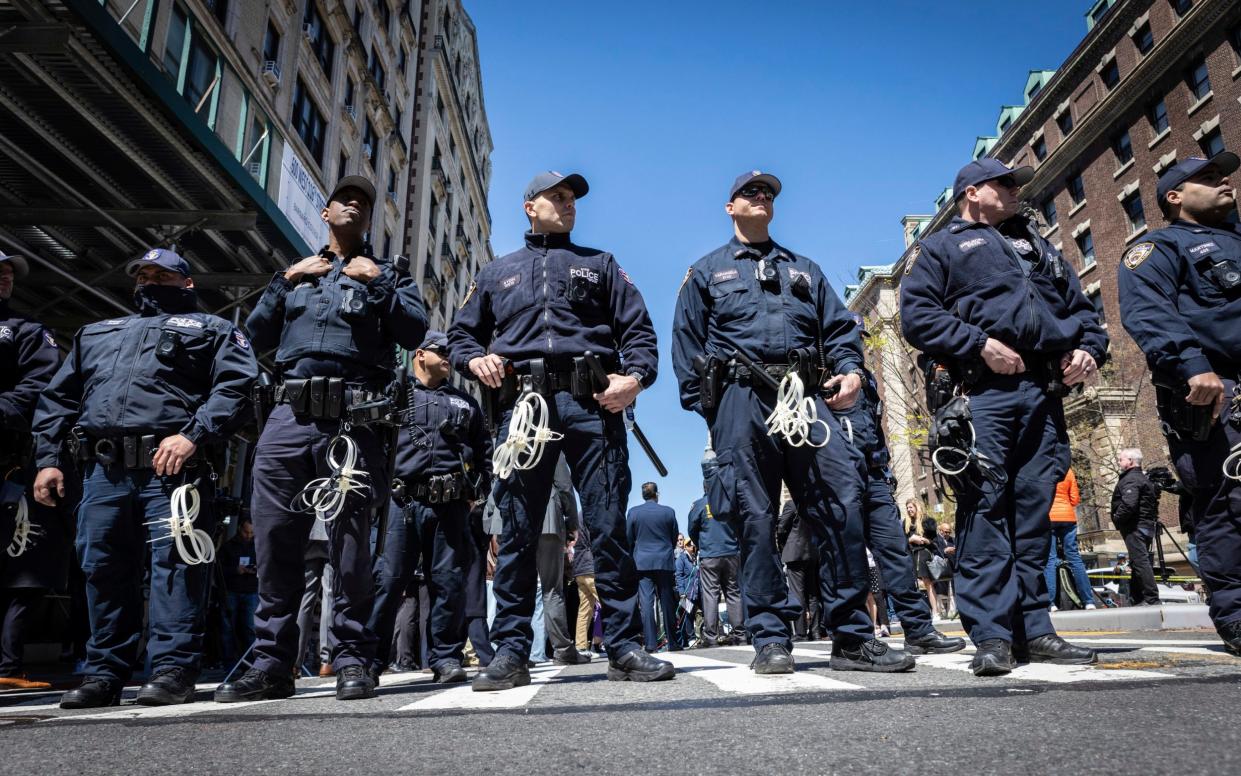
{"type": "Point", "coordinates": [746, 178]}
{"type": "Point", "coordinates": [546, 180]}
{"type": "Point", "coordinates": [160, 257]}
{"type": "Point", "coordinates": [357, 182]}
{"type": "Point", "coordinates": [1225, 161]}
{"type": "Point", "coordinates": [20, 267]}
{"type": "Point", "coordinates": [435, 340]}
{"type": "Point", "coordinates": [987, 169]}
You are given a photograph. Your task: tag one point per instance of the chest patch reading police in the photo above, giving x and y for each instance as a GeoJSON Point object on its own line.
{"type": "Point", "coordinates": [724, 274]}
{"type": "Point", "coordinates": [509, 282]}
{"type": "Point", "coordinates": [584, 272]}
{"type": "Point", "coordinates": [1206, 247]}
{"type": "Point", "coordinates": [188, 323]}
{"type": "Point", "coordinates": [1138, 254]}
{"type": "Point", "coordinates": [794, 274]}
{"type": "Point", "coordinates": [969, 245]}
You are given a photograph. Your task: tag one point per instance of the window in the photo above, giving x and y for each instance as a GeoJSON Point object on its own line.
{"type": "Point", "coordinates": [1096, 299]}
{"type": "Point", "coordinates": [1085, 244]}
{"type": "Point", "coordinates": [1157, 115]}
{"type": "Point", "coordinates": [401, 57]}
{"type": "Point", "coordinates": [1212, 143]}
{"type": "Point", "coordinates": [1035, 88]}
{"type": "Point", "coordinates": [1133, 211]}
{"type": "Point", "coordinates": [349, 94]}
{"type": "Point", "coordinates": [1198, 79]}
{"type": "Point", "coordinates": [271, 43]}
{"type": "Point", "coordinates": [1122, 148]}
{"type": "Point", "coordinates": [387, 242]}
{"type": "Point", "coordinates": [392, 181]}
{"type": "Point", "coordinates": [357, 17]}
{"type": "Point", "coordinates": [320, 41]}
{"type": "Point", "coordinates": [174, 46]}
{"type": "Point", "coordinates": [219, 9]}
{"type": "Point", "coordinates": [1110, 74]}
{"type": "Point", "coordinates": [1181, 7]}
{"type": "Point", "coordinates": [1048, 209]}
{"type": "Point", "coordinates": [1234, 39]}
{"type": "Point", "coordinates": [200, 70]}
{"type": "Point", "coordinates": [369, 139]}
{"type": "Point", "coordinates": [1099, 12]}
{"type": "Point", "coordinates": [1065, 122]}
{"type": "Point", "coordinates": [308, 121]}
{"type": "Point", "coordinates": [385, 15]}
{"type": "Point", "coordinates": [1077, 189]}
{"type": "Point", "coordinates": [342, 165]}
{"type": "Point", "coordinates": [1040, 148]}
{"type": "Point", "coordinates": [1144, 39]}
{"type": "Point", "coordinates": [376, 69]}
{"type": "Point", "coordinates": [1005, 124]}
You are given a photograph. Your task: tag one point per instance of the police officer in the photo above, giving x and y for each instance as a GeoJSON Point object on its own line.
{"type": "Point", "coordinates": [443, 464]}
{"type": "Point", "coordinates": [141, 397]}
{"type": "Point", "coordinates": [537, 312]}
{"type": "Point", "coordinates": [1180, 300]}
{"type": "Point", "coordinates": [752, 299]}
{"type": "Point", "coordinates": [990, 297]}
{"type": "Point", "coordinates": [30, 553]}
{"type": "Point", "coordinates": [884, 531]}
{"type": "Point", "coordinates": [335, 319]}
{"type": "Point", "coordinates": [718, 563]}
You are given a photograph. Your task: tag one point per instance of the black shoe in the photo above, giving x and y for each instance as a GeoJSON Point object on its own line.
{"type": "Point", "coordinates": [256, 685]}
{"type": "Point", "coordinates": [354, 683]}
{"type": "Point", "coordinates": [933, 643]}
{"type": "Point", "coordinates": [1053, 649]}
{"type": "Point", "coordinates": [870, 655]}
{"type": "Point", "coordinates": [993, 658]}
{"type": "Point", "coordinates": [167, 686]}
{"type": "Point", "coordinates": [639, 666]}
{"type": "Point", "coordinates": [449, 672]}
{"type": "Point", "coordinates": [569, 656]}
{"type": "Point", "coordinates": [374, 672]}
{"type": "Point", "coordinates": [773, 659]}
{"type": "Point", "coordinates": [798, 639]}
{"type": "Point", "coordinates": [503, 673]}
{"type": "Point", "coordinates": [1230, 632]}
{"type": "Point", "coordinates": [94, 692]}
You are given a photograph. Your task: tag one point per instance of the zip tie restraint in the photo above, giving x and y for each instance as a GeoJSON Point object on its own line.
{"type": "Point", "coordinates": [528, 434]}
{"type": "Point", "coordinates": [795, 414]}
{"type": "Point", "coordinates": [24, 531]}
{"type": "Point", "coordinates": [326, 496]}
{"type": "Point", "coordinates": [1232, 464]}
{"type": "Point", "coordinates": [194, 545]}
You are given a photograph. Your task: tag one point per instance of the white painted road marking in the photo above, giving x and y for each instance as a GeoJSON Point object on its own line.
{"type": "Point", "coordinates": [464, 697]}
{"type": "Point", "coordinates": [1044, 672]}
{"type": "Point", "coordinates": [741, 680]}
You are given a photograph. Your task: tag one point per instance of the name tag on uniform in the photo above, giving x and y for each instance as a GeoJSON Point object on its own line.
{"type": "Point", "coordinates": [509, 282]}
{"type": "Point", "coordinates": [724, 274]}
{"type": "Point", "coordinates": [969, 245]}
{"type": "Point", "coordinates": [188, 323]}
{"type": "Point", "coordinates": [1204, 248]}
{"type": "Point", "coordinates": [457, 401]}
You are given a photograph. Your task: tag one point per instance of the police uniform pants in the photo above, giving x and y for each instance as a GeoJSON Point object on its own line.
{"type": "Point", "coordinates": [885, 536]}
{"type": "Point", "coordinates": [290, 453]}
{"type": "Point", "coordinates": [112, 547]}
{"type": "Point", "coordinates": [598, 456]}
{"type": "Point", "coordinates": [1003, 530]}
{"type": "Point", "coordinates": [717, 578]}
{"type": "Point", "coordinates": [437, 537]}
{"type": "Point", "coordinates": [826, 484]}
{"type": "Point", "coordinates": [1216, 511]}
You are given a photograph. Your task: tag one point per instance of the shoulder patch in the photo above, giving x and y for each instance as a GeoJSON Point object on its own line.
{"type": "Point", "coordinates": [240, 339]}
{"type": "Point", "coordinates": [6, 334]}
{"type": "Point", "coordinates": [469, 293]}
{"type": "Point", "coordinates": [624, 276]}
{"type": "Point", "coordinates": [909, 265]}
{"type": "Point", "coordinates": [48, 338]}
{"type": "Point", "coordinates": [1138, 254]}
{"type": "Point", "coordinates": [689, 273]}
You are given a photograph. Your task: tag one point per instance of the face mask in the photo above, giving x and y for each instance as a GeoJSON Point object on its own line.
{"type": "Point", "coordinates": [153, 299]}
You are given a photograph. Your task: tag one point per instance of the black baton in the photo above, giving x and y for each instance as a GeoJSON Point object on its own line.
{"type": "Point", "coordinates": [596, 368]}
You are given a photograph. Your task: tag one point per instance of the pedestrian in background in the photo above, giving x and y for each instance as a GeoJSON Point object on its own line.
{"type": "Point", "coordinates": [1064, 533]}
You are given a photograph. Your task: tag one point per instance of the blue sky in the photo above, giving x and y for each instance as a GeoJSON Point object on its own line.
{"type": "Point", "coordinates": [864, 110]}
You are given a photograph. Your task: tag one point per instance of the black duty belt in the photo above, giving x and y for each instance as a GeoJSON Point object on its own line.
{"type": "Point", "coordinates": [741, 374]}
{"type": "Point", "coordinates": [331, 398]}
{"type": "Point", "coordinates": [436, 489]}
{"type": "Point", "coordinates": [133, 451]}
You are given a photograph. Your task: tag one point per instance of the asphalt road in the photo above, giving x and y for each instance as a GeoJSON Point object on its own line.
{"type": "Point", "coordinates": [1158, 702]}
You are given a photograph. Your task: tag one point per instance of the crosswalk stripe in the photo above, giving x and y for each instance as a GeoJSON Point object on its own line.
{"type": "Point", "coordinates": [739, 679]}
{"type": "Point", "coordinates": [1044, 672]}
{"type": "Point", "coordinates": [1189, 650]}
{"type": "Point", "coordinates": [464, 697]}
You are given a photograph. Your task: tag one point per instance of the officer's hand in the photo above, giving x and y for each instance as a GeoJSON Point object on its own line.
{"type": "Point", "coordinates": [49, 485]}
{"type": "Point", "coordinates": [1077, 366]}
{"type": "Point", "coordinates": [314, 266]}
{"type": "Point", "coordinates": [845, 398]}
{"type": "Point", "coordinates": [1205, 389]}
{"type": "Point", "coordinates": [172, 454]}
{"type": "Point", "coordinates": [489, 369]}
{"type": "Point", "coordinates": [1002, 359]}
{"type": "Point", "coordinates": [620, 393]}
{"type": "Point", "coordinates": [361, 269]}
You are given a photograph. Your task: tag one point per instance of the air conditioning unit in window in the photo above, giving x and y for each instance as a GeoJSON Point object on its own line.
{"type": "Point", "coordinates": [271, 73]}
{"type": "Point", "coordinates": [256, 168]}
{"type": "Point", "coordinates": [351, 112]}
{"type": "Point", "coordinates": [367, 151]}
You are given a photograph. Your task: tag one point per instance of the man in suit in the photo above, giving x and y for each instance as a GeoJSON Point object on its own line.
{"type": "Point", "coordinates": [801, 563]}
{"type": "Point", "coordinates": [559, 523]}
{"type": "Point", "coordinates": [652, 530]}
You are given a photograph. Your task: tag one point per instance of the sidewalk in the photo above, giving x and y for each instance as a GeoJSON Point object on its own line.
{"type": "Point", "coordinates": [1129, 618]}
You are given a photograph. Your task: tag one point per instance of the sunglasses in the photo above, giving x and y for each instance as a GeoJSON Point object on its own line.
{"type": "Point", "coordinates": [749, 192]}
{"type": "Point", "coordinates": [1006, 181]}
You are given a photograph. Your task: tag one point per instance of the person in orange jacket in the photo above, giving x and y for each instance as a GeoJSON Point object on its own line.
{"type": "Point", "coordinates": [1064, 533]}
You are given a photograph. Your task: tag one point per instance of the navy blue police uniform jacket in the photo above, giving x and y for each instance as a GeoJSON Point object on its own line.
{"type": "Point", "coordinates": [440, 427]}
{"type": "Point", "coordinates": [713, 538]}
{"type": "Point", "coordinates": [188, 373]}
{"type": "Point", "coordinates": [28, 360]}
{"type": "Point", "coordinates": [1176, 303]}
{"type": "Point", "coordinates": [555, 300]}
{"type": "Point", "coordinates": [335, 326]}
{"type": "Point", "coordinates": [722, 308]}
{"type": "Point", "coordinates": [965, 283]}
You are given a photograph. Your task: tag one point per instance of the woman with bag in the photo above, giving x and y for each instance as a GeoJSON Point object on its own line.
{"type": "Point", "coordinates": [921, 530]}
